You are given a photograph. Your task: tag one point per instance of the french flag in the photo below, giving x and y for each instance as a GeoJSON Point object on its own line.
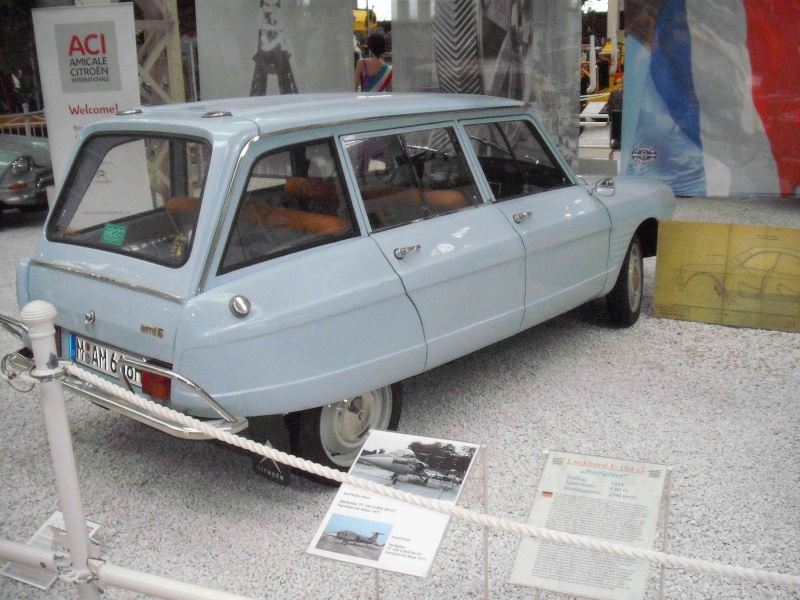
{"type": "Point", "coordinates": [712, 95]}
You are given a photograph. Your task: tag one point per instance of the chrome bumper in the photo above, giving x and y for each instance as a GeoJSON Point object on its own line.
{"type": "Point", "coordinates": [16, 363]}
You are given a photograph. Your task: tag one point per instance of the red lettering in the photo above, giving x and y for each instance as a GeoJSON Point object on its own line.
{"type": "Point", "coordinates": [87, 40]}
{"type": "Point", "coordinates": [88, 45]}
{"type": "Point", "coordinates": [75, 45]}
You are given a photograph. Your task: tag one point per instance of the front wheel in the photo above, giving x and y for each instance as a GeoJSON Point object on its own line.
{"type": "Point", "coordinates": [624, 302]}
{"type": "Point", "coordinates": [332, 435]}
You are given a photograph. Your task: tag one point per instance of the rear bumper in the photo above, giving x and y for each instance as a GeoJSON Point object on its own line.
{"type": "Point", "coordinates": [18, 363]}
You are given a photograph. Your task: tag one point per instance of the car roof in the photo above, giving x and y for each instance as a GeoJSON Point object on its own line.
{"type": "Point", "coordinates": [281, 112]}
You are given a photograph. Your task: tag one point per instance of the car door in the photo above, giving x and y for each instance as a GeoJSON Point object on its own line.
{"type": "Point", "coordinates": [460, 261]}
{"type": "Point", "coordinates": [564, 228]}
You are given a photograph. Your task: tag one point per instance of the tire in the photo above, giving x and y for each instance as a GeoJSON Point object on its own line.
{"type": "Point", "coordinates": [624, 302]}
{"type": "Point", "coordinates": [333, 435]}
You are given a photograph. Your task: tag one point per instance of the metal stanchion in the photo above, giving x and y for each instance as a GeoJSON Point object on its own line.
{"type": "Point", "coordinates": [38, 316]}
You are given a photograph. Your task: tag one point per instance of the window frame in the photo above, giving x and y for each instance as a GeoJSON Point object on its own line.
{"type": "Point", "coordinates": [289, 145]}
{"type": "Point", "coordinates": [77, 176]}
{"type": "Point", "coordinates": [544, 141]}
{"type": "Point", "coordinates": [466, 155]}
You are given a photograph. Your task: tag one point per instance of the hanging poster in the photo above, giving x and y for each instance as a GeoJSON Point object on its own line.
{"type": "Point", "coordinates": [527, 50]}
{"type": "Point", "coordinates": [712, 99]}
{"type": "Point", "coordinates": [268, 47]}
{"type": "Point", "coordinates": [87, 61]}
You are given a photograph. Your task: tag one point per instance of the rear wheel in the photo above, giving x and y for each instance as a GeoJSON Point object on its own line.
{"type": "Point", "coordinates": [332, 435]}
{"type": "Point", "coordinates": [624, 302]}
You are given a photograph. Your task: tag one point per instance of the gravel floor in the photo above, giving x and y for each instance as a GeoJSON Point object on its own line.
{"type": "Point", "coordinates": [718, 404]}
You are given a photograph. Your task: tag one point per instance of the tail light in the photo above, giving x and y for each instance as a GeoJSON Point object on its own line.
{"type": "Point", "coordinates": [156, 386]}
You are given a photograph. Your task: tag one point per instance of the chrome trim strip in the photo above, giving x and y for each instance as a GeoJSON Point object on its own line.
{"type": "Point", "coordinates": [393, 117]}
{"type": "Point", "coordinates": [14, 327]}
{"type": "Point", "coordinates": [105, 279]}
{"type": "Point", "coordinates": [225, 207]}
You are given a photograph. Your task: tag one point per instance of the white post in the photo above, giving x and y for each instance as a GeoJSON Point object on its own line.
{"type": "Point", "coordinates": [485, 449]}
{"type": "Point", "coordinates": [27, 120]}
{"type": "Point", "coordinates": [611, 31]}
{"type": "Point", "coordinates": [592, 67]}
{"type": "Point", "coordinates": [39, 316]}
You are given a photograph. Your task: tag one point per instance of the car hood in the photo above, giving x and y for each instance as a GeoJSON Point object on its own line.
{"type": "Point", "coordinates": [13, 147]}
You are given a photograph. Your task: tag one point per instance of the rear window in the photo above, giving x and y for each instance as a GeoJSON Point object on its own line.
{"type": "Point", "coordinates": [133, 194]}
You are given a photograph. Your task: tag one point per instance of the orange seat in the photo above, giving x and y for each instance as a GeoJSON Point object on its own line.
{"type": "Point", "coordinates": [299, 220]}
{"type": "Point", "coordinates": [183, 205]}
{"type": "Point", "coordinates": [438, 200]}
{"type": "Point", "coordinates": [311, 189]}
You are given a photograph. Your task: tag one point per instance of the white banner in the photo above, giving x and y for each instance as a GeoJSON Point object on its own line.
{"type": "Point", "coordinates": [87, 61]}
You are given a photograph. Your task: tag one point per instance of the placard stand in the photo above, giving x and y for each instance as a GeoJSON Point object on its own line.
{"type": "Point", "coordinates": [613, 500]}
{"type": "Point", "coordinates": [484, 495]}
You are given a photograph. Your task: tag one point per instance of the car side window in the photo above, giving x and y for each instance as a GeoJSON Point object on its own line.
{"type": "Point", "coordinates": [514, 159]}
{"type": "Point", "coordinates": [405, 177]}
{"type": "Point", "coordinates": [293, 200]}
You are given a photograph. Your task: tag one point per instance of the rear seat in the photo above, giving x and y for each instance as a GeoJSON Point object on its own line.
{"type": "Point", "coordinates": [298, 220]}
{"type": "Point", "coordinates": [276, 216]}
{"type": "Point", "coordinates": [377, 197]}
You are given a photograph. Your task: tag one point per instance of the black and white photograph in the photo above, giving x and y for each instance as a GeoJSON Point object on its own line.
{"type": "Point", "coordinates": [418, 465]}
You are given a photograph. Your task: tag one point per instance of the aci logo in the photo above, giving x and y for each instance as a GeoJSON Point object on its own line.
{"type": "Point", "coordinates": [644, 155]}
{"type": "Point", "coordinates": [92, 44]}
{"type": "Point", "coordinates": [88, 57]}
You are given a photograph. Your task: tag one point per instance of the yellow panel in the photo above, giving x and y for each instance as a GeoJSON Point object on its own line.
{"type": "Point", "coordinates": [740, 275]}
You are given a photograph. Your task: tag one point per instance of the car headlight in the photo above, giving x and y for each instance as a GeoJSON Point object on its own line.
{"type": "Point", "coordinates": [21, 165]}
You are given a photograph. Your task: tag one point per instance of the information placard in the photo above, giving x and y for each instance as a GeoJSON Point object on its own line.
{"type": "Point", "coordinates": [368, 529]}
{"type": "Point", "coordinates": [613, 500]}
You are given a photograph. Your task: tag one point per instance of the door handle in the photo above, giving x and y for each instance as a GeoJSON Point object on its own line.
{"type": "Point", "coordinates": [400, 253]}
{"type": "Point", "coordinates": [519, 217]}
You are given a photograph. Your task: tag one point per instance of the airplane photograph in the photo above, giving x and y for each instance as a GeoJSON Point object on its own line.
{"type": "Point", "coordinates": [422, 466]}
{"type": "Point", "coordinates": [352, 536]}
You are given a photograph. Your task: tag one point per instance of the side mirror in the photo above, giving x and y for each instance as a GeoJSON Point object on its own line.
{"type": "Point", "coordinates": [604, 187]}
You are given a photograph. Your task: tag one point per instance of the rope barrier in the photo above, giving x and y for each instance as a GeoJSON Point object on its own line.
{"type": "Point", "coordinates": [661, 558]}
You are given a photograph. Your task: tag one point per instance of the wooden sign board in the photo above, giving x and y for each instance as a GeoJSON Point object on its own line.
{"type": "Point", "coordinates": [740, 275]}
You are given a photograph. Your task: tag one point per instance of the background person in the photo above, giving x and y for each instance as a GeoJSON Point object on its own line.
{"type": "Point", "coordinates": [373, 74]}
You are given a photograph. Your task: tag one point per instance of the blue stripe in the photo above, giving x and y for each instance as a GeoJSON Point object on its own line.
{"type": "Point", "coordinates": [671, 68]}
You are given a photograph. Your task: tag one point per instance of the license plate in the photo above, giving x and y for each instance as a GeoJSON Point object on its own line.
{"type": "Point", "coordinates": [101, 358]}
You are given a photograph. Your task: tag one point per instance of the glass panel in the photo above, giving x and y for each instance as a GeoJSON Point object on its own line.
{"type": "Point", "coordinates": [514, 159]}
{"type": "Point", "coordinates": [293, 200]}
{"type": "Point", "coordinates": [134, 195]}
{"type": "Point", "coordinates": [411, 176]}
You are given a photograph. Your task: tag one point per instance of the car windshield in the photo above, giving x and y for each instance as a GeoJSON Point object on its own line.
{"type": "Point", "coordinates": [134, 194]}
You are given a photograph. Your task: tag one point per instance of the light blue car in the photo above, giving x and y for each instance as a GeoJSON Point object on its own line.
{"type": "Point", "coordinates": [293, 259]}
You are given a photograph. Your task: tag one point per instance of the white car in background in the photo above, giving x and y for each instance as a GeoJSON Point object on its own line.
{"type": "Point", "coordinates": [25, 172]}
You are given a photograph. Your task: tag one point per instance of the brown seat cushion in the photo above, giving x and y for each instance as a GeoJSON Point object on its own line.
{"type": "Point", "coordinates": [298, 220]}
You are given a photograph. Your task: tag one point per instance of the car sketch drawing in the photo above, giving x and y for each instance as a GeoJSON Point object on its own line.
{"type": "Point", "coordinates": [758, 274]}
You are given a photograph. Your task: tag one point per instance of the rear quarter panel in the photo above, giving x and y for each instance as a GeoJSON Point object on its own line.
{"type": "Point", "coordinates": [325, 324]}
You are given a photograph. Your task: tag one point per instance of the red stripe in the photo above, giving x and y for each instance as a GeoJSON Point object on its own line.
{"type": "Point", "coordinates": [773, 31]}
